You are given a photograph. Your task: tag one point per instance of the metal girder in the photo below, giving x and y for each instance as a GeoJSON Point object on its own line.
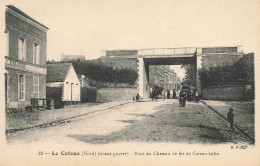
{"type": "Point", "coordinates": [170, 61]}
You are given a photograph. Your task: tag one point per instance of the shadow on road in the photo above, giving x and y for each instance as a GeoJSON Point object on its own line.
{"type": "Point", "coordinates": [170, 124]}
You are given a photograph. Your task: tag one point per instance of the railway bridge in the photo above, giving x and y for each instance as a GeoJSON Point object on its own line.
{"type": "Point", "coordinates": [200, 56]}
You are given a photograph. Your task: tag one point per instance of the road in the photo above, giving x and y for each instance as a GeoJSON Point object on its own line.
{"type": "Point", "coordinates": [155, 122]}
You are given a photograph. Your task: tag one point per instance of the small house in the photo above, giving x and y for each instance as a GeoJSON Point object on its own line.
{"type": "Point", "coordinates": [64, 76]}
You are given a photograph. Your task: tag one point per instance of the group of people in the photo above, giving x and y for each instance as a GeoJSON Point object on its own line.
{"type": "Point", "coordinates": [173, 94]}
{"type": "Point", "coordinates": [182, 102]}
{"type": "Point", "coordinates": [183, 97]}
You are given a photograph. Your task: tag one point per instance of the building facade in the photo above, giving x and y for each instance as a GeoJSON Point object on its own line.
{"type": "Point", "coordinates": [163, 76]}
{"type": "Point", "coordinates": [25, 61]}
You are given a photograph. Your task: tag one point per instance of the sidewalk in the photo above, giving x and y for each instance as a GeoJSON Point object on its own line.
{"type": "Point", "coordinates": [24, 119]}
{"type": "Point", "coordinates": [244, 113]}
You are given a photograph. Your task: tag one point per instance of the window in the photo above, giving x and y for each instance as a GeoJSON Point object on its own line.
{"type": "Point", "coordinates": [36, 53]}
{"type": "Point", "coordinates": [21, 49]}
{"type": "Point", "coordinates": [36, 87]}
{"type": "Point", "coordinates": [21, 87]}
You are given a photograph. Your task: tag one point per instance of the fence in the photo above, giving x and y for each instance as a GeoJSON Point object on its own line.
{"type": "Point", "coordinates": [88, 94]}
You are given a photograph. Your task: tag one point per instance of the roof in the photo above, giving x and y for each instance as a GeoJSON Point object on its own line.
{"type": "Point", "coordinates": [57, 72]}
{"type": "Point", "coordinates": [157, 72]}
{"type": "Point", "coordinates": [25, 15]}
{"type": "Point", "coordinates": [167, 71]}
{"type": "Point", "coordinates": [73, 57]}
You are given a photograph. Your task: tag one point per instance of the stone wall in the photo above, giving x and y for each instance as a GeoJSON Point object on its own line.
{"type": "Point", "coordinates": [115, 94]}
{"type": "Point", "coordinates": [228, 92]}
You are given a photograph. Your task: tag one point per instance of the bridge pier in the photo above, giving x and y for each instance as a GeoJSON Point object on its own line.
{"type": "Point", "coordinates": [198, 66]}
{"type": "Point", "coordinates": [143, 86]}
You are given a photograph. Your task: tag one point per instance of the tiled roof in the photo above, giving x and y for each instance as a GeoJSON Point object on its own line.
{"type": "Point", "coordinates": [25, 15]}
{"type": "Point", "coordinates": [57, 72]}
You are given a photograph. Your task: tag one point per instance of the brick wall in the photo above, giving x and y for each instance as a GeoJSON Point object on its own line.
{"type": "Point", "coordinates": [12, 82]}
{"type": "Point", "coordinates": [24, 26]}
{"type": "Point", "coordinates": [14, 35]}
{"type": "Point", "coordinates": [18, 27]}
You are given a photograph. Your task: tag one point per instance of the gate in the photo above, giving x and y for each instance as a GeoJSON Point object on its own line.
{"type": "Point", "coordinates": [56, 94]}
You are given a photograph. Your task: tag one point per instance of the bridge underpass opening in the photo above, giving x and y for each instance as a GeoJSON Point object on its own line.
{"type": "Point", "coordinates": [144, 63]}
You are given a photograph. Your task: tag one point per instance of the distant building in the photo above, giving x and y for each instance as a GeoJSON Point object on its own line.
{"type": "Point", "coordinates": [69, 58]}
{"type": "Point", "coordinates": [25, 62]}
{"type": "Point", "coordinates": [121, 52]}
{"type": "Point", "coordinates": [63, 75]}
{"type": "Point", "coordinates": [163, 76]}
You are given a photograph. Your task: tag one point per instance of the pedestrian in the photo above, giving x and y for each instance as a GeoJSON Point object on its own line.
{"type": "Point", "coordinates": [174, 93]}
{"type": "Point", "coordinates": [230, 117]}
{"type": "Point", "coordinates": [137, 97]}
{"type": "Point", "coordinates": [154, 95]}
{"type": "Point", "coordinates": [196, 96]}
{"type": "Point", "coordinates": [182, 99]}
{"type": "Point", "coordinates": [168, 94]}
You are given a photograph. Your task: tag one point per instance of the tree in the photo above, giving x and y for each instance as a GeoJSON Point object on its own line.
{"type": "Point", "coordinates": [98, 71]}
{"type": "Point", "coordinates": [190, 75]}
{"type": "Point", "coordinates": [240, 73]}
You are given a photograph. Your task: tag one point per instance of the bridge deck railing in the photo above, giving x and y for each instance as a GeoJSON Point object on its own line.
{"type": "Point", "coordinates": [167, 51]}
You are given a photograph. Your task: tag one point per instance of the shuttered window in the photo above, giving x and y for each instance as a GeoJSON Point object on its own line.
{"type": "Point", "coordinates": [36, 53]}
{"type": "Point", "coordinates": [21, 87]}
{"type": "Point", "coordinates": [35, 87]}
{"type": "Point", "coordinates": [21, 49]}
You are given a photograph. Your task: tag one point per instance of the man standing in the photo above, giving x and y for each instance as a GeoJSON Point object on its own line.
{"type": "Point", "coordinates": [230, 117]}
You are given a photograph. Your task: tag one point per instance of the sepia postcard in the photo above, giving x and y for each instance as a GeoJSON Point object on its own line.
{"type": "Point", "coordinates": [129, 82]}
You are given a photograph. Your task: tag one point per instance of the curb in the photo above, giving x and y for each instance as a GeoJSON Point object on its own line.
{"type": "Point", "coordinates": [235, 126]}
{"type": "Point", "coordinates": [60, 121]}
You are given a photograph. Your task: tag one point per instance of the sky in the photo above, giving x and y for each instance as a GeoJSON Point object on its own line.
{"type": "Point", "coordinates": [177, 69]}
{"type": "Point", "coordinates": [86, 27]}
